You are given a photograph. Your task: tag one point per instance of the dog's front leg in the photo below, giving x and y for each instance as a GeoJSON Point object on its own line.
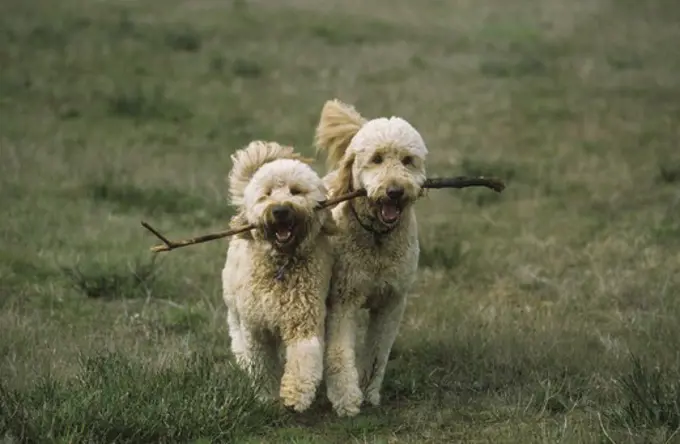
{"type": "Point", "coordinates": [342, 379]}
{"type": "Point", "coordinates": [382, 331]}
{"type": "Point", "coordinates": [302, 373]}
{"type": "Point", "coordinates": [303, 370]}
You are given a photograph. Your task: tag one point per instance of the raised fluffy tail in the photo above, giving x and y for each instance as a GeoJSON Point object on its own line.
{"type": "Point", "coordinates": [248, 160]}
{"type": "Point", "coordinates": [337, 126]}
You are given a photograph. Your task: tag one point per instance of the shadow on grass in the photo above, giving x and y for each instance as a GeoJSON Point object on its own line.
{"type": "Point", "coordinates": [116, 399]}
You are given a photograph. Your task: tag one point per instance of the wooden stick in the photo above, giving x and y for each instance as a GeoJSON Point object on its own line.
{"type": "Point", "coordinates": [171, 245]}
{"type": "Point", "coordinates": [435, 183]}
{"type": "Point", "coordinates": [464, 182]}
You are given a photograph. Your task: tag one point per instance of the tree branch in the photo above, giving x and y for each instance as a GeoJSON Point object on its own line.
{"type": "Point", "coordinates": [464, 182]}
{"type": "Point", "coordinates": [435, 183]}
{"type": "Point", "coordinates": [171, 245]}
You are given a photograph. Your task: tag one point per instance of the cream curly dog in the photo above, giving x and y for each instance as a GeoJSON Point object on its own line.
{"type": "Point", "coordinates": [377, 248]}
{"type": "Point", "coordinates": [276, 277]}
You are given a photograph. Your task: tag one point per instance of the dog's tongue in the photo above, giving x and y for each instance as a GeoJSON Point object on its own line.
{"type": "Point", "coordinates": [389, 212]}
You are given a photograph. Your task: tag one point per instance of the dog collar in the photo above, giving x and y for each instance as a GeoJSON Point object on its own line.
{"type": "Point", "coordinates": [377, 234]}
{"type": "Point", "coordinates": [281, 269]}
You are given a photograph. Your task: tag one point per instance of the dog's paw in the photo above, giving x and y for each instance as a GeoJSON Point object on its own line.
{"type": "Point", "coordinates": [297, 396]}
{"type": "Point", "coordinates": [373, 397]}
{"type": "Point", "coordinates": [346, 402]}
{"type": "Point", "coordinates": [298, 403]}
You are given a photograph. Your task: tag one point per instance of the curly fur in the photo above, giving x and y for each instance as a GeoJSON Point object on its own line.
{"type": "Point", "coordinates": [376, 263]}
{"type": "Point", "coordinates": [276, 295]}
{"type": "Point", "coordinates": [247, 161]}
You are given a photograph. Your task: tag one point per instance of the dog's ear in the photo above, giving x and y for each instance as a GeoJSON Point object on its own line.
{"type": "Point", "coordinates": [340, 180]}
{"type": "Point", "coordinates": [337, 126]}
{"type": "Point", "coordinates": [240, 220]}
{"type": "Point", "coordinates": [329, 227]}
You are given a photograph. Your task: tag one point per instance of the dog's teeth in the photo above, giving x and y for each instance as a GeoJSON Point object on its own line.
{"type": "Point", "coordinates": [390, 212]}
{"type": "Point", "coordinates": [283, 235]}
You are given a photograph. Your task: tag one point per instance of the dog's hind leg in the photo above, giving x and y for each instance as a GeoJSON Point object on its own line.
{"type": "Point", "coordinates": [383, 327]}
{"type": "Point", "coordinates": [257, 357]}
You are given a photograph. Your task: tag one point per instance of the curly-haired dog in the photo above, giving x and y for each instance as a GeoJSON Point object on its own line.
{"type": "Point", "coordinates": [377, 248]}
{"type": "Point", "coordinates": [276, 277]}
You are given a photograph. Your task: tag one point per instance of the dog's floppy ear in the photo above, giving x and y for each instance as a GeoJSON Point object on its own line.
{"type": "Point", "coordinates": [337, 126]}
{"type": "Point", "coordinates": [340, 180]}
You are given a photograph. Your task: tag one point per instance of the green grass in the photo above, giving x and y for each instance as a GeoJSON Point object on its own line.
{"type": "Point", "coordinates": [548, 313]}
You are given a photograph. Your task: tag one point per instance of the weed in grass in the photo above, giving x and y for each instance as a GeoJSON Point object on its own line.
{"type": "Point", "coordinates": [649, 399]}
{"type": "Point", "coordinates": [623, 60]}
{"type": "Point", "coordinates": [340, 34]}
{"type": "Point", "coordinates": [99, 281]}
{"type": "Point", "coordinates": [247, 69]}
{"type": "Point", "coordinates": [183, 39]}
{"type": "Point", "coordinates": [441, 256]}
{"type": "Point", "coordinates": [217, 63]}
{"type": "Point", "coordinates": [669, 173]}
{"type": "Point", "coordinates": [523, 66]}
{"type": "Point", "coordinates": [143, 103]}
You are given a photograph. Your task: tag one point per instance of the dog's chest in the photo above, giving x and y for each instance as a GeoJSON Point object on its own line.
{"type": "Point", "coordinates": [288, 290]}
{"type": "Point", "coordinates": [381, 269]}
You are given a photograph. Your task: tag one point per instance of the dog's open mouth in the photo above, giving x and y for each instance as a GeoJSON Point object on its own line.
{"type": "Point", "coordinates": [283, 234]}
{"type": "Point", "coordinates": [282, 225]}
{"type": "Point", "coordinates": [389, 212]}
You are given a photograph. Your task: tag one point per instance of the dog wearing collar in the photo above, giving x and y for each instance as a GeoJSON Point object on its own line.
{"type": "Point", "coordinates": [376, 250]}
{"type": "Point", "coordinates": [276, 277]}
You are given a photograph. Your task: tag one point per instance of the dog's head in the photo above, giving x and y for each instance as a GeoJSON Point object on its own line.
{"type": "Point", "coordinates": [386, 156]}
{"type": "Point", "coordinates": [281, 199]}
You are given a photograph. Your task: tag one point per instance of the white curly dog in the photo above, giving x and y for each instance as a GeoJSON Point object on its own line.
{"type": "Point", "coordinates": [377, 249]}
{"type": "Point", "coordinates": [276, 277]}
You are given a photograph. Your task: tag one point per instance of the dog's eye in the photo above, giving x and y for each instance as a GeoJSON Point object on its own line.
{"type": "Point", "coordinates": [408, 160]}
{"type": "Point", "coordinates": [377, 159]}
{"type": "Point", "coordinates": [295, 191]}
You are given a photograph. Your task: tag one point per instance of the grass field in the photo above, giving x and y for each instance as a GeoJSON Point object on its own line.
{"type": "Point", "coordinates": [546, 314]}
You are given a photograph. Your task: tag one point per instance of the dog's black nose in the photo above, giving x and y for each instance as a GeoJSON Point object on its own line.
{"type": "Point", "coordinates": [395, 192]}
{"type": "Point", "coordinates": [281, 212]}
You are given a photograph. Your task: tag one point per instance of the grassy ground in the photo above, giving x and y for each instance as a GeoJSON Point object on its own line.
{"type": "Point", "coordinates": [548, 314]}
